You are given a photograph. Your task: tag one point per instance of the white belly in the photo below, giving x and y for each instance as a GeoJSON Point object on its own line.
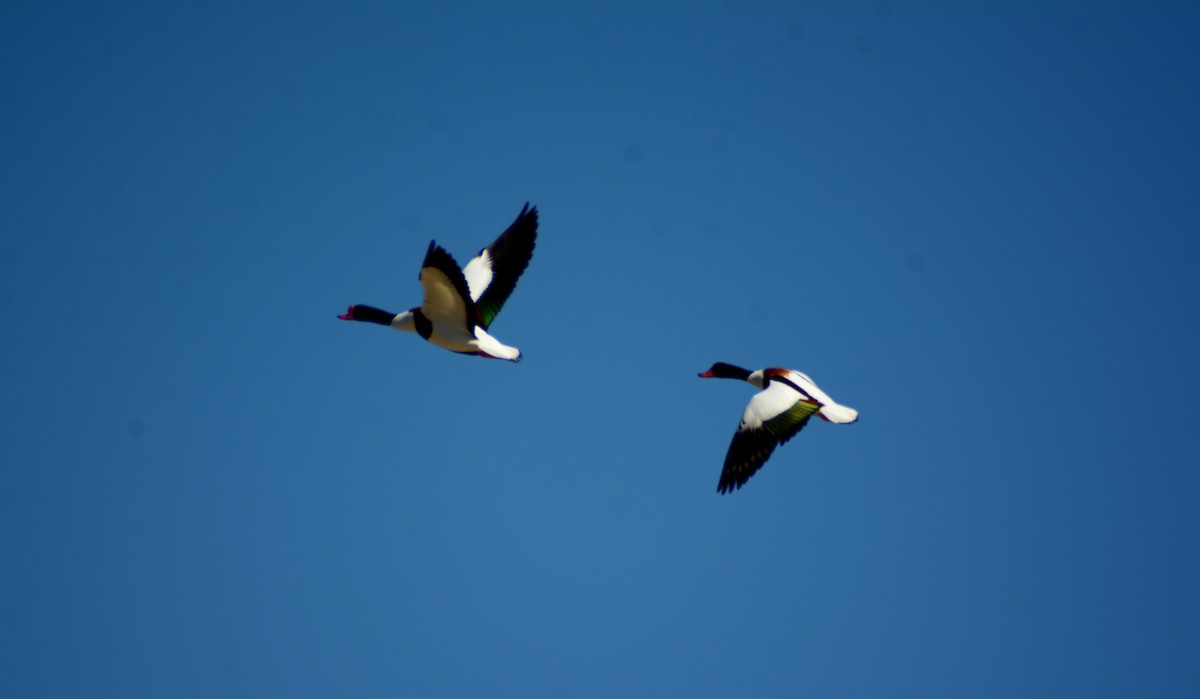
{"type": "Point", "coordinates": [453, 339]}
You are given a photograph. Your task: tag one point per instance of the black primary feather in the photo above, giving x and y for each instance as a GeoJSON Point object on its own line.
{"type": "Point", "coordinates": [510, 255]}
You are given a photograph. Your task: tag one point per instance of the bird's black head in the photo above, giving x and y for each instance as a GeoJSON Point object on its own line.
{"type": "Point", "coordinates": [721, 370]}
{"type": "Point", "coordinates": [368, 314]}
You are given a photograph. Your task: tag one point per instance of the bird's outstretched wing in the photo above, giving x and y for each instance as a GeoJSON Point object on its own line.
{"type": "Point", "coordinates": [773, 416]}
{"type": "Point", "coordinates": [447, 298]}
{"type": "Point", "coordinates": [493, 273]}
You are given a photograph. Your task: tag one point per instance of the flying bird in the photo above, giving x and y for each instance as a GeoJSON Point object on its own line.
{"type": "Point", "coordinates": [775, 414]}
{"type": "Point", "coordinates": [460, 304]}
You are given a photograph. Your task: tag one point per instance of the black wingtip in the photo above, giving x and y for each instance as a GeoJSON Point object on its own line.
{"type": "Point", "coordinates": [510, 255]}
{"type": "Point", "coordinates": [528, 215]}
{"type": "Point", "coordinates": [429, 252]}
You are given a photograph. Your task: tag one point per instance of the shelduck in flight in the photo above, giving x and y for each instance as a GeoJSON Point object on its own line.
{"type": "Point", "coordinates": [774, 416]}
{"type": "Point", "coordinates": [460, 304]}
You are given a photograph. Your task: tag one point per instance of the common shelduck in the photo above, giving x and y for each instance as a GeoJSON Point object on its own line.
{"type": "Point", "coordinates": [460, 304]}
{"type": "Point", "coordinates": [774, 415]}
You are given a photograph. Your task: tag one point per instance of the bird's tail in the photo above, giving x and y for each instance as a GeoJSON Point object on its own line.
{"type": "Point", "coordinates": [839, 414]}
{"type": "Point", "coordinates": [491, 347]}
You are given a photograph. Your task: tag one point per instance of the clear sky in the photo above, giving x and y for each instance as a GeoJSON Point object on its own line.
{"type": "Point", "coordinates": [976, 223]}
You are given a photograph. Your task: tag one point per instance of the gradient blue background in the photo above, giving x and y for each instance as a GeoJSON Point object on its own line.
{"type": "Point", "coordinates": [976, 224]}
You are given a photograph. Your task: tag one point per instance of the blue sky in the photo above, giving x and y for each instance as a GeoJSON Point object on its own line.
{"type": "Point", "coordinates": [975, 223]}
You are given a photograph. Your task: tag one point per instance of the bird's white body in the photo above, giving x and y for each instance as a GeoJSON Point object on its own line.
{"type": "Point", "coordinates": [779, 397]}
{"type": "Point", "coordinates": [453, 336]}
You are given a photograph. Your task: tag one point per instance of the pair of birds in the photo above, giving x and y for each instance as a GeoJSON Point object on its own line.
{"type": "Point", "coordinates": [460, 304]}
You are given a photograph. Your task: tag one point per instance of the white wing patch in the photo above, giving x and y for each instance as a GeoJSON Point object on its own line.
{"type": "Point", "coordinates": [479, 274]}
{"type": "Point", "coordinates": [806, 384]}
{"type": "Point", "coordinates": [776, 399]}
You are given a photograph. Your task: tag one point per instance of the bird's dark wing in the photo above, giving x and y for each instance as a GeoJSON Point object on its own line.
{"type": "Point", "coordinates": [493, 273]}
{"type": "Point", "coordinates": [773, 417]}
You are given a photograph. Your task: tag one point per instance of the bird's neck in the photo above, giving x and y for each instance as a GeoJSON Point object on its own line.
{"type": "Point", "coordinates": [729, 371]}
{"type": "Point", "coordinates": [370, 314]}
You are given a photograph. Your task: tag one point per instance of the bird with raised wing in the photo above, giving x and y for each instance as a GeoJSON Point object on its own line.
{"type": "Point", "coordinates": [460, 304]}
{"type": "Point", "coordinates": [775, 414]}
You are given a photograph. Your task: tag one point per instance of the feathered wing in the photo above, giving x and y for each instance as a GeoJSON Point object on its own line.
{"type": "Point", "coordinates": [447, 298]}
{"type": "Point", "coordinates": [773, 416]}
{"type": "Point", "coordinates": [492, 275]}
